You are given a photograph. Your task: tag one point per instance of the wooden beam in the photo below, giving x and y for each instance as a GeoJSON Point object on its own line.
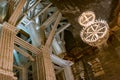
{"type": "Point", "coordinates": [52, 33]}
{"type": "Point", "coordinates": [26, 45]}
{"type": "Point", "coordinates": [17, 67]}
{"type": "Point", "coordinates": [43, 67]}
{"type": "Point", "coordinates": [6, 52]}
{"type": "Point", "coordinates": [50, 20]}
{"type": "Point", "coordinates": [57, 72]}
{"type": "Point", "coordinates": [42, 36]}
{"type": "Point", "coordinates": [68, 72]}
{"type": "Point", "coordinates": [42, 11]}
{"type": "Point", "coordinates": [25, 13]}
{"type": "Point", "coordinates": [62, 28]}
{"type": "Point", "coordinates": [57, 67]}
{"type": "Point", "coordinates": [23, 72]}
{"type": "Point", "coordinates": [23, 53]}
{"type": "Point", "coordinates": [32, 7]}
{"type": "Point", "coordinates": [11, 4]}
{"type": "Point", "coordinates": [13, 19]}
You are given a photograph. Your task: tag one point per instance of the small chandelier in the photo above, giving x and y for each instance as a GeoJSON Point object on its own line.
{"type": "Point", "coordinates": [94, 32]}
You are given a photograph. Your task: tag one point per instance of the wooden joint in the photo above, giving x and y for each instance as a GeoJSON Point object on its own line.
{"type": "Point", "coordinates": [10, 27]}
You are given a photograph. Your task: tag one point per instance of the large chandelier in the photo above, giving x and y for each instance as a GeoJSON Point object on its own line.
{"type": "Point", "coordinates": [94, 32]}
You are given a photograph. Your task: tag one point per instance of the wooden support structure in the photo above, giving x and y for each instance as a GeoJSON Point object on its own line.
{"type": "Point", "coordinates": [68, 73]}
{"type": "Point", "coordinates": [42, 36]}
{"type": "Point", "coordinates": [16, 14]}
{"type": "Point", "coordinates": [43, 67]}
{"type": "Point", "coordinates": [52, 33]}
{"type": "Point", "coordinates": [32, 7]}
{"type": "Point", "coordinates": [6, 52]}
{"type": "Point", "coordinates": [42, 10]}
{"type": "Point", "coordinates": [26, 45]}
{"type": "Point", "coordinates": [50, 20]}
{"type": "Point", "coordinates": [23, 53]}
{"type": "Point", "coordinates": [28, 10]}
{"type": "Point", "coordinates": [62, 28]}
{"type": "Point", "coordinates": [7, 44]}
{"type": "Point", "coordinates": [23, 72]}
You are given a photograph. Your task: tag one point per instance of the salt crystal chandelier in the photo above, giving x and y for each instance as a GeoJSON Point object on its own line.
{"type": "Point", "coordinates": [94, 32]}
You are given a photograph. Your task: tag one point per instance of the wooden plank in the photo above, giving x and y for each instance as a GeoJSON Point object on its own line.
{"type": "Point", "coordinates": [50, 20]}
{"type": "Point", "coordinates": [52, 33]}
{"type": "Point", "coordinates": [23, 53]}
{"type": "Point", "coordinates": [26, 45]}
{"type": "Point", "coordinates": [32, 7]}
{"type": "Point", "coordinates": [13, 19]}
{"type": "Point", "coordinates": [42, 10]}
{"type": "Point", "coordinates": [62, 28]}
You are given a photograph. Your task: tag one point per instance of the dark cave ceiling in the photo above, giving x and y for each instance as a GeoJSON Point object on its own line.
{"type": "Point", "coordinates": [72, 9]}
